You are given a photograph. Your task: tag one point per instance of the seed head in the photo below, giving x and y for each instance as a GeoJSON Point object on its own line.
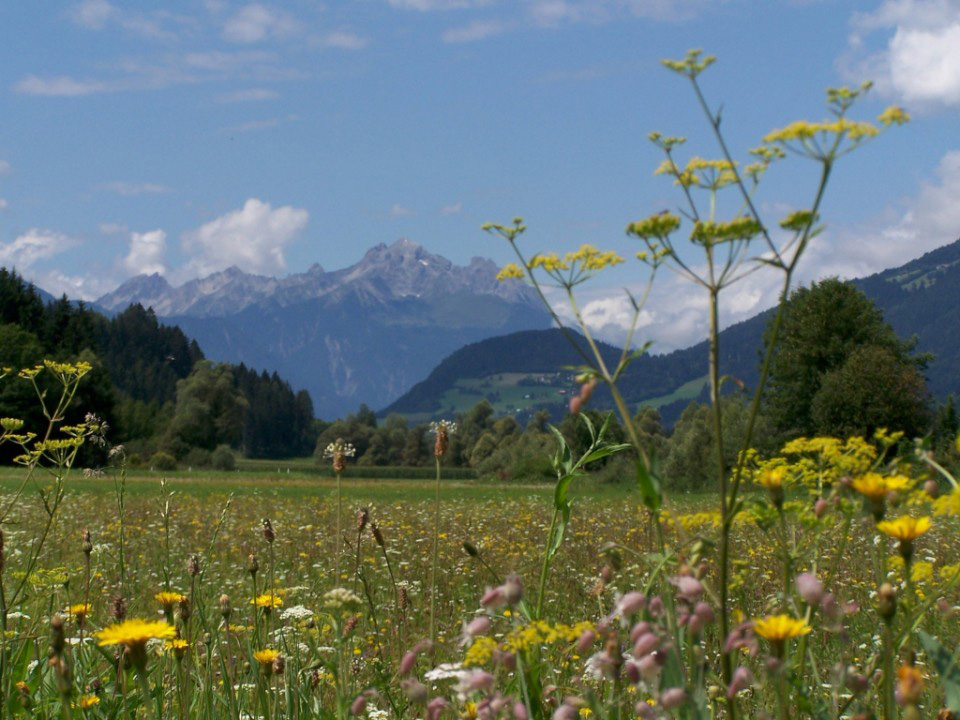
{"type": "Point", "coordinates": [87, 545]}
{"type": "Point", "coordinates": [443, 430]}
{"type": "Point", "coordinates": [378, 536]}
{"type": "Point", "coordinates": [363, 517]}
{"type": "Point", "coordinates": [225, 608]}
{"type": "Point", "coordinates": [252, 565]}
{"type": "Point", "coordinates": [57, 637]}
{"type": "Point", "coordinates": [118, 608]}
{"type": "Point", "coordinates": [268, 534]}
{"type": "Point", "coordinates": [193, 565]}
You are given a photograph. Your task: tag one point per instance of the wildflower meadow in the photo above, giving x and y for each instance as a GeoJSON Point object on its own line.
{"type": "Point", "coordinates": [818, 581]}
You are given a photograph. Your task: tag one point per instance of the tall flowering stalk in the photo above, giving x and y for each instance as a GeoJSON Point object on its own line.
{"type": "Point", "coordinates": [442, 431]}
{"type": "Point", "coordinates": [337, 452]}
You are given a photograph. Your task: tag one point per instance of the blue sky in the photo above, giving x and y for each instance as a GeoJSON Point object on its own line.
{"type": "Point", "coordinates": [185, 137]}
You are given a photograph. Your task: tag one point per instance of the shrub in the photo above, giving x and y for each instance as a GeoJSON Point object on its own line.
{"type": "Point", "coordinates": [161, 460]}
{"type": "Point", "coordinates": [223, 458]}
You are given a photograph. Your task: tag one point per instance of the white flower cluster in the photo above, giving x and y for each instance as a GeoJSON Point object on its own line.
{"type": "Point", "coordinates": [339, 447]}
{"type": "Point", "coordinates": [448, 425]}
{"type": "Point", "coordinates": [341, 598]}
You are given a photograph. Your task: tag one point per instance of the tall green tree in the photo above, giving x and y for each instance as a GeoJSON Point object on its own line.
{"type": "Point", "coordinates": [839, 368]}
{"type": "Point", "coordinates": [209, 411]}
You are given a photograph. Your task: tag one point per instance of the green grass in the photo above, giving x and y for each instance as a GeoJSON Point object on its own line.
{"type": "Point", "coordinates": [688, 391]}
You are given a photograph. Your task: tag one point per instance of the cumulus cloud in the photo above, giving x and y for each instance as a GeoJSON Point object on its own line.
{"type": "Point", "coordinates": [253, 238]}
{"type": "Point", "coordinates": [60, 86]}
{"type": "Point", "coordinates": [33, 246]}
{"type": "Point", "coordinates": [5, 167]}
{"type": "Point", "coordinates": [3, 203]}
{"type": "Point", "coordinates": [918, 59]}
{"type": "Point", "coordinates": [98, 14]}
{"type": "Point", "coordinates": [255, 23]}
{"type": "Point", "coordinates": [146, 255]}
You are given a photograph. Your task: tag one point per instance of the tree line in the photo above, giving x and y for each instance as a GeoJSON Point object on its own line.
{"type": "Point", "coordinates": [163, 400]}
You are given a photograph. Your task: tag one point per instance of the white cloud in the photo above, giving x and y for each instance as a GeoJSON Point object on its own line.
{"type": "Point", "coordinates": [453, 209]}
{"type": "Point", "coordinates": [253, 238]}
{"type": "Point", "coordinates": [478, 30]}
{"type": "Point", "coordinates": [255, 23]}
{"type": "Point", "coordinates": [430, 5]}
{"type": "Point", "coordinates": [61, 86]}
{"type": "Point", "coordinates": [92, 14]}
{"type": "Point", "coordinates": [113, 228]}
{"type": "Point", "coordinates": [344, 40]}
{"type": "Point", "coordinates": [919, 58]}
{"type": "Point", "coordinates": [33, 246]}
{"type": "Point", "coordinates": [128, 189]}
{"type": "Point", "coordinates": [3, 203]}
{"type": "Point", "coordinates": [75, 287]}
{"type": "Point", "coordinates": [247, 95]}
{"type": "Point", "coordinates": [398, 210]}
{"type": "Point", "coordinates": [5, 167]}
{"type": "Point", "coordinates": [146, 255]}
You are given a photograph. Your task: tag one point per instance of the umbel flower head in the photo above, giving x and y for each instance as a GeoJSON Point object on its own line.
{"type": "Point", "coordinates": [133, 635]}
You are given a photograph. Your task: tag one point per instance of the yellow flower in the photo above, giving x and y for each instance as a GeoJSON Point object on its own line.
{"type": "Point", "coordinates": [876, 487]}
{"type": "Point", "coordinates": [510, 271]}
{"type": "Point", "coordinates": [893, 115]}
{"type": "Point", "coordinates": [905, 529]}
{"type": "Point", "coordinates": [87, 702]}
{"type": "Point", "coordinates": [267, 602]}
{"type": "Point", "coordinates": [655, 226]}
{"type": "Point", "coordinates": [168, 599]}
{"type": "Point", "coordinates": [179, 647]}
{"type": "Point", "coordinates": [265, 658]}
{"type": "Point", "coordinates": [772, 479]}
{"type": "Point", "coordinates": [133, 634]}
{"type": "Point", "coordinates": [79, 612]}
{"type": "Point", "coordinates": [777, 628]}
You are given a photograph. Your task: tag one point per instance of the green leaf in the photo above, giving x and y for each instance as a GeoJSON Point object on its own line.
{"type": "Point", "coordinates": [648, 482]}
{"type": "Point", "coordinates": [947, 666]}
{"type": "Point", "coordinates": [559, 530]}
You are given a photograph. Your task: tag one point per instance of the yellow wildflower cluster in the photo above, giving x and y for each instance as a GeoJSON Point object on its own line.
{"type": "Point", "coordinates": [948, 504]}
{"type": "Point", "coordinates": [510, 271]}
{"type": "Point", "coordinates": [823, 461]}
{"type": "Point", "coordinates": [712, 233]}
{"type": "Point", "coordinates": [875, 486]}
{"type": "Point", "coordinates": [540, 633]}
{"type": "Point", "coordinates": [480, 653]}
{"type": "Point", "coordinates": [656, 226]}
{"type": "Point", "coordinates": [692, 65]}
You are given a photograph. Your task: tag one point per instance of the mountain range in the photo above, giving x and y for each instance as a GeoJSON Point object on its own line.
{"type": "Point", "coordinates": [360, 335]}
{"type": "Point", "coordinates": [524, 372]}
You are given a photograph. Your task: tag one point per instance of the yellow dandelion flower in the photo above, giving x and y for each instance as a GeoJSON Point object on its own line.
{"type": "Point", "coordinates": [134, 634]}
{"type": "Point", "coordinates": [168, 599]}
{"type": "Point", "coordinates": [87, 701]}
{"type": "Point", "coordinates": [777, 628]}
{"type": "Point", "coordinates": [876, 487]}
{"type": "Point", "coordinates": [267, 602]}
{"type": "Point", "coordinates": [265, 659]}
{"type": "Point", "coordinates": [79, 612]}
{"type": "Point", "coordinates": [905, 529]}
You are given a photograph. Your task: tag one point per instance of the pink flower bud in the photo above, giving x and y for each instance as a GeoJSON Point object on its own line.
{"type": "Point", "coordinates": [673, 698]}
{"type": "Point", "coordinates": [655, 606]}
{"type": "Point", "coordinates": [644, 711]}
{"type": "Point", "coordinates": [689, 587]}
{"type": "Point", "coordinates": [645, 645]}
{"type": "Point", "coordinates": [478, 680]}
{"type": "Point", "coordinates": [575, 404]}
{"type": "Point", "coordinates": [585, 641]}
{"type": "Point", "coordinates": [494, 598]}
{"type": "Point", "coordinates": [704, 612]}
{"type": "Point", "coordinates": [520, 711]}
{"type": "Point", "coordinates": [513, 589]}
{"type": "Point", "coordinates": [694, 625]}
{"type": "Point", "coordinates": [632, 671]}
{"type": "Point", "coordinates": [407, 662]}
{"type": "Point", "coordinates": [809, 588]}
{"type": "Point", "coordinates": [359, 705]}
{"type": "Point", "coordinates": [565, 712]}
{"type": "Point", "coordinates": [648, 667]}
{"type": "Point", "coordinates": [435, 707]}
{"type": "Point", "coordinates": [820, 507]}
{"type": "Point", "coordinates": [416, 691]}
{"type": "Point", "coordinates": [632, 602]}
{"type": "Point", "coordinates": [641, 628]}
{"type": "Point", "coordinates": [478, 626]}
{"type": "Point", "coordinates": [742, 679]}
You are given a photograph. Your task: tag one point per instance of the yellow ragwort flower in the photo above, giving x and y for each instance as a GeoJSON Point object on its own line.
{"type": "Point", "coordinates": [777, 628]}
{"type": "Point", "coordinates": [88, 701]}
{"type": "Point", "coordinates": [905, 529]}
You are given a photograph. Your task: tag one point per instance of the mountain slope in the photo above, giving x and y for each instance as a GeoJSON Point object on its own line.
{"type": "Point", "coordinates": [920, 298]}
{"type": "Point", "coordinates": [362, 334]}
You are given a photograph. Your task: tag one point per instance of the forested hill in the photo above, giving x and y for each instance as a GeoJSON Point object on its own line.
{"type": "Point", "coordinates": [920, 298]}
{"type": "Point", "coordinates": [149, 381]}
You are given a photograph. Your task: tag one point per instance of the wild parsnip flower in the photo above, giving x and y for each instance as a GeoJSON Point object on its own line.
{"type": "Point", "coordinates": [133, 635]}
{"type": "Point", "coordinates": [659, 226]}
{"type": "Point", "coordinates": [692, 65]}
{"type": "Point", "coordinates": [893, 115]}
{"type": "Point", "coordinates": [510, 271]}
